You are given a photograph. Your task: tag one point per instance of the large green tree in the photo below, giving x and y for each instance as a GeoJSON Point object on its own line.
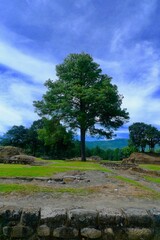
{"type": "Point", "coordinates": [83, 98]}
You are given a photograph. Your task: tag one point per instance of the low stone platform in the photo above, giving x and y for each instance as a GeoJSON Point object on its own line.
{"type": "Point", "coordinates": [74, 224]}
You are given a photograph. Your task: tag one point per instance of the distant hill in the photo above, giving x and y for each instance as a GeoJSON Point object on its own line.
{"type": "Point", "coordinates": [109, 144]}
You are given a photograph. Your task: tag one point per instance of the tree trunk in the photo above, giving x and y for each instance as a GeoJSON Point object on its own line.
{"type": "Point", "coordinates": [83, 148]}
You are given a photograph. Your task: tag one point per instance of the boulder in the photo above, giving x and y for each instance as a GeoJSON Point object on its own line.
{"type": "Point", "coordinates": [9, 151]}
{"type": "Point", "coordinates": [21, 159]}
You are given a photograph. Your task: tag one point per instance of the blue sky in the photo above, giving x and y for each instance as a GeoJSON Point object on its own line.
{"type": "Point", "coordinates": [121, 35]}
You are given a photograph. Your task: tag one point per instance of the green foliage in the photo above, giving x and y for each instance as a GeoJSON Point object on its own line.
{"type": "Point", "coordinates": [16, 136]}
{"type": "Point", "coordinates": [57, 139]}
{"type": "Point", "coordinates": [143, 135]}
{"type": "Point", "coordinates": [83, 97]}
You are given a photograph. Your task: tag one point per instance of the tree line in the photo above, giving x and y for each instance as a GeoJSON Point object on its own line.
{"type": "Point", "coordinates": [49, 139]}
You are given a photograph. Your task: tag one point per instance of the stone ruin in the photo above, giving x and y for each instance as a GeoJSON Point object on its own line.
{"type": "Point", "coordinates": [79, 224]}
{"type": "Point", "coordinates": [14, 155]}
{"type": "Point", "coordinates": [142, 158]}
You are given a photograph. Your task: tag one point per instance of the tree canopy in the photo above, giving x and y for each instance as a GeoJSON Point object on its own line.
{"type": "Point", "coordinates": [142, 135]}
{"type": "Point", "coordinates": [83, 98]}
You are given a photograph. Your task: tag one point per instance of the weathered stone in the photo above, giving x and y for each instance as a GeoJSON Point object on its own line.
{"type": "Point", "coordinates": [54, 218]}
{"type": "Point", "coordinates": [10, 214]}
{"type": "Point", "coordinates": [91, 233]}
{"type": "Point", "coordinates": [21, 232]}
{"type": "Point", "coordinates": [8, 151]}
{"type": "Point", "coordinates": [31, 217]}
{"type": "Point", "coordinates": [7, 231]}
{"type": "Point", "coordinates": [110, 217]}
{"type": "Point", "coordinates": [82, 218]}
{"type": "Point", "coordinates": [65, 232]}
{"type": "Point", "coordinates": [108, 234]}
{"type": "Point", "coordinates": [43, 231]}
{"type": "Point", "coordinates": [23, 159]}
{"type": "Point", "coordinates": [137, 217]}
{"type": "Point", "coordinates": [18, 231]}
{"type": "Point", "coordinates": [139, 233]}
{"type": "Point", "coordinates": [155, 213]}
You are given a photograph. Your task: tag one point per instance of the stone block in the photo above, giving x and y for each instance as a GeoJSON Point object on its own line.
{"type": "Point", "coordinates": [43, 231]}
{"type": "Point", "coordinates": [10, 214]}
{"type": "Point", "coordinates": [108, 234]}
{"type": "Point", "coordinates": [55, 218]}
{"type": "Point", "coordinates": [135, 217]}
{"type": "Point", "coordinates": [91, 233]}
{"type": "Point", "coordinates": [65, 232]}
{"type": "Point", "coordinates": [155, 214]}
{"type": "Point", "coordinates": [110, 217]}
{"type": "Point", "coordinates": [139, 233]}
{"type": "Point", "coordinates": [30, 217]}
{"type": "Point", "coordinates": [18, 231]}
{"type": "Point", "coordinates": [81, 218]}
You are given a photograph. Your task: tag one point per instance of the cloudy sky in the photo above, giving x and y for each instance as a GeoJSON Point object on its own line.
{"type": "Point", "coordinates": [121, 35]}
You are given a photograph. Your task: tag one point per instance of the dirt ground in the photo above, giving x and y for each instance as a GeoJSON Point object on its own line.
{"type": "Point", "coordinates": [107, 191]}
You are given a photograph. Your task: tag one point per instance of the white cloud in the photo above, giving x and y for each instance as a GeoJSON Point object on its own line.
{"type": "Point", "coordinates": [38, 70]}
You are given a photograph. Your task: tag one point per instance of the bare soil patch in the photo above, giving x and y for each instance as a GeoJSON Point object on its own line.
{"type": "Point", "coordinates": [108, 191]}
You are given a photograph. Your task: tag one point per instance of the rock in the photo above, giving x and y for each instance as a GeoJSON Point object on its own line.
{"type": "Point", "coordinates": [43, 231]}
{"type": "Point", "coordinates": [9, 151]}
{"type": "Point", "coordinates": [137, 217]}
{"type": "Point", "coordinates": [91, 233]}
{"type": "Point", "coordinates": [82, 218]}
{"type": "Point", "coordinates": [65, 232]}
{"type": "Point", "coordinates": [22, 159]}
{"type": "Point", "coordinates": [139, 233]}
{"type": "Point", "coordinates": [110, 217]}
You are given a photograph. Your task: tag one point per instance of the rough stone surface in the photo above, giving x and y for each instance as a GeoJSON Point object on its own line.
{"type": "Point", "coordinates": [155, 213]}
{"type": "Point", "coordinates": [9, 151]}
{"type": "Point", "coordinates": [91, 233]}
{"type": "Point", "coordinates": [137, 217]}
{"type": "Point", "coordinates": [30, 217]}
{"type": "Point", "coordinates": [65, 232]}
{"type": "Point", "coordinates": [110, 217]}
{"type": "Point", "coordinates": [43, 231]}
{"type": "Point", "coordinates": [139, 233]}
{"type": "Point", "coordinates": [55, 218]}
{"type": "Point", "coordinates": [76, 224]}
{"type": "Point", "coordinates": [24, 159]}
{"type": "Point", "coordinates": [82, 218]}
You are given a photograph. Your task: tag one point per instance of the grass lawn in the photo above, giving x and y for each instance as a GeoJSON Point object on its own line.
{"type": "Point", "coordinates": [152, 167]}
{"type": "Point", "coordinates": [11, 170]}
{"type": "Point", "coordinates": [30, 188]}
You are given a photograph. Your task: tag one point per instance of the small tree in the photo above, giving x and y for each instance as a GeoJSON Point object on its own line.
{"type": "Point", "coordinates": [137, 135]}
{"type": "Point", "coordinates": [83, 98]}
{"type": "Point", "coordinates": [152, 137]}
{"type": "Point", "coordinates": [16, 136]}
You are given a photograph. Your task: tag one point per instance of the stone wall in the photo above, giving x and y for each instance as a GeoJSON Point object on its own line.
{"type": "Point", "coordinates": [74, 224]}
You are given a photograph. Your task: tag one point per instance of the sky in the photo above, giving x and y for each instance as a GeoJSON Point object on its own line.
{"type": "Point", "coordinates": [121, 35]}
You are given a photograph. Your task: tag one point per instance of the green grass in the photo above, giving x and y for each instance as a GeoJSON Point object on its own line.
{"type": "Point", "coordinates": [29, 188]}
{"type": "Point", "coordinates": [152, 179]}
{"type": "Point", "coordinates": [152, 167]}
{"type": "Point", "coordinates": [11, 170]}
